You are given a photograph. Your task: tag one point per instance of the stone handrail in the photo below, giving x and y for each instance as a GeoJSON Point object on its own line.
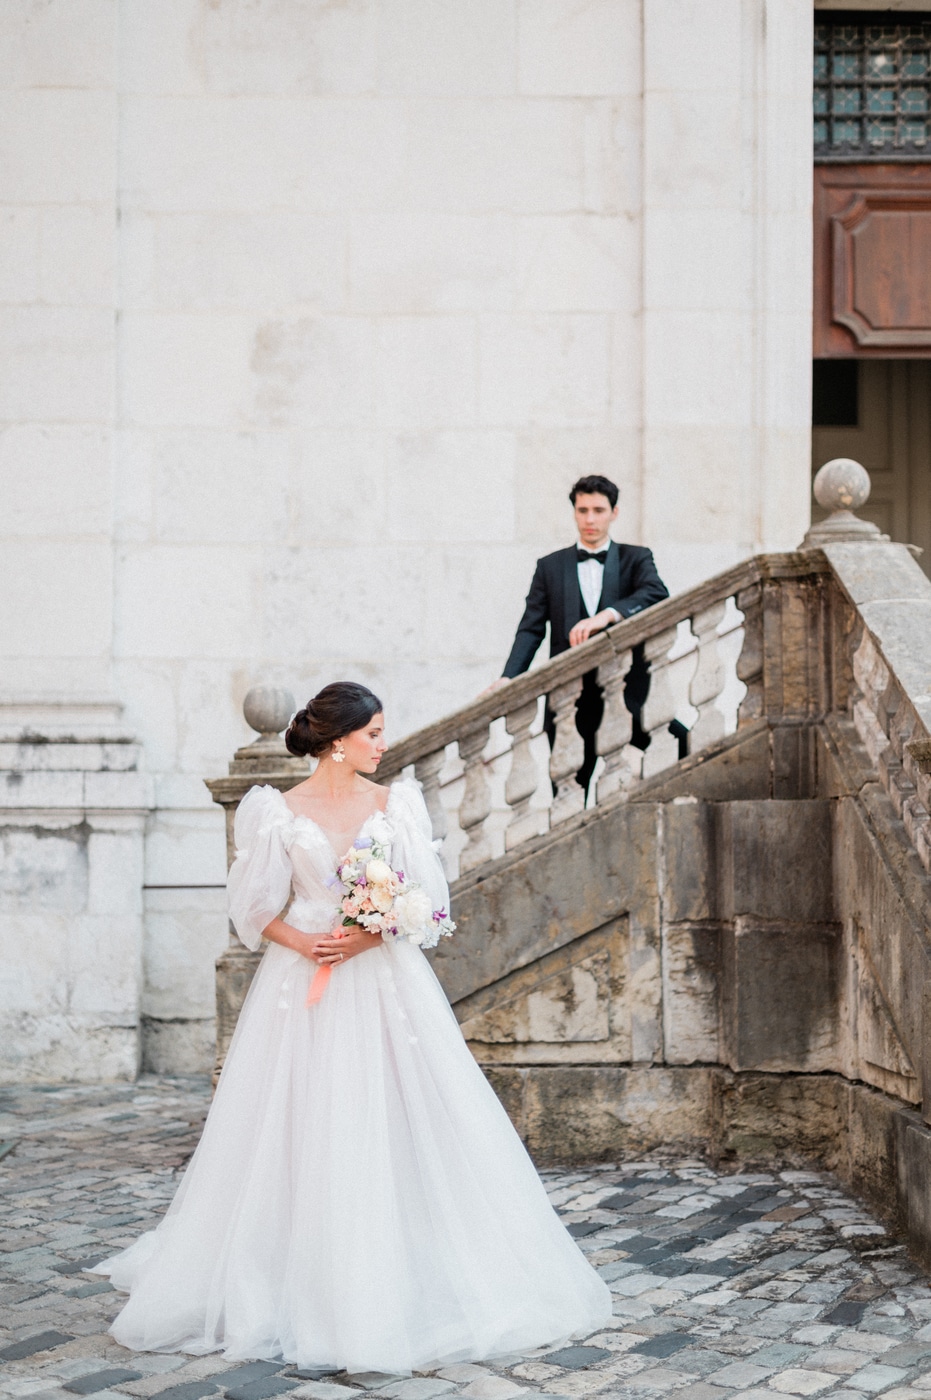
{"type": "Point", "coordinates": [888, 630]}
{"type": "Point", "coordinates": [701, 658]}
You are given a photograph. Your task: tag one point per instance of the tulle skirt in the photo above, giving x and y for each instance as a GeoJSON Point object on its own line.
{"type": "Point", "coordinates": [359, 1198]}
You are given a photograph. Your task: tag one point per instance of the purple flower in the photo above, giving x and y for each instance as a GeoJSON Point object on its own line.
{"type": "Point", "coordinates": [400, 875]}
{"type": "Point", "coordinates": [438, 915]}
{"type": "Point", "coordinates": [362, 843]}
{"type": "Point", "coordinates": [362, 882]}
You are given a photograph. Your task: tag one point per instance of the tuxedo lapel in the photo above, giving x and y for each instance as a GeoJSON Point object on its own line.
{"type": "Point", "coordinates": [611, 578]}
{"type": "Point", "coordinates": [571, 594]}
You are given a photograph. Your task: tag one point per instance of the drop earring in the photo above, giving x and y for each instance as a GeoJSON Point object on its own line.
{"type": "Point", "coordinates": [338, 753]}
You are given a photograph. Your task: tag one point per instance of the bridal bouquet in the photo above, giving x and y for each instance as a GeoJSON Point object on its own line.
{"type": "Point", "coordinates": [381, 900]}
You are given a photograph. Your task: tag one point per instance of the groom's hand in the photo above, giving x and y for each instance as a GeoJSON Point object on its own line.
{"type": "Point", "coordinates": [495, 685]}
{"type": "Point", "coordinates": [590, 625]}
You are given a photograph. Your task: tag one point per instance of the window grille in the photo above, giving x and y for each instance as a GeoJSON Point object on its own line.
{"type": "Point", "coordinates": [872, 98]}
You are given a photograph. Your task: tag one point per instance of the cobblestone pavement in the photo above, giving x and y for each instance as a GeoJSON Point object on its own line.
{"type": "Point", "coordinates": [746, 1286]}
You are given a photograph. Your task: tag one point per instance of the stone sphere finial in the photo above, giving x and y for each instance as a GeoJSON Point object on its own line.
{"type": "Point", "coordinates": [842, 484]}
{"type": "Point", "coordinates": [267, 709]}
{"type": "Point", "coordinates": [841, 487]}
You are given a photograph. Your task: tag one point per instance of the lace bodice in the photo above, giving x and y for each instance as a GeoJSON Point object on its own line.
{"type": "Point", "coordinates": [280, 854]}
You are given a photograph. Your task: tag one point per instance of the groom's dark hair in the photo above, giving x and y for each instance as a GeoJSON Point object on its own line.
{"type": "Point", "coordinates": [594, 486]}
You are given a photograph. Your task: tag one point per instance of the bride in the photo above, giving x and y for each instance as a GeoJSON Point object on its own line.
{"type": "Point", "coordinates": [359, 1199]}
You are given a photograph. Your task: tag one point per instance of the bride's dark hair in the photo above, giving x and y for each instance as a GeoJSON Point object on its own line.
{"type": "Point", "coordinates": [339, 709]}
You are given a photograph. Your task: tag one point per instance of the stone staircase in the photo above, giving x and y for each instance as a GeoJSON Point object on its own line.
{"type": "Point", "coordinates": [728, 950]}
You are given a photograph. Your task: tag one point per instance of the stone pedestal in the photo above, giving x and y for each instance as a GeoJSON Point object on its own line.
{"type": "Point", "coordinates": [266, 761]}
{"type": "Point", "coordinates": [73, 807]}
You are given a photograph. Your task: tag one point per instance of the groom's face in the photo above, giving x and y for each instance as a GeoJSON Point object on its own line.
{"type": "Point", "coordinates": [593, 517]}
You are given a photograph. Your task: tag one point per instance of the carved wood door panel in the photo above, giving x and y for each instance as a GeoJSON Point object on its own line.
{"type": "Point", "coordinates": [872, 264]}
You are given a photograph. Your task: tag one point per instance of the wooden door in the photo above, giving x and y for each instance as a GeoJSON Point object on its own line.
{"type": "Point", "coordinates": [872, 283]}
{"type": "Point", "coordinates": [892, 438]}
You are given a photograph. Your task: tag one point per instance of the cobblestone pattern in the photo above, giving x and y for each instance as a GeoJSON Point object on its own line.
{"type": "Point", "coordinates": [726, 1287]}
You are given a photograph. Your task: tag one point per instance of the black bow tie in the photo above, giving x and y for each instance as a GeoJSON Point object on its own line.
{"type": "Point", "coordinates": [583, 554]}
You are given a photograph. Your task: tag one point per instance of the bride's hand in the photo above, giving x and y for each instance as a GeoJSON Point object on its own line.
{"type": "Point", "coordinates": [330, 951]}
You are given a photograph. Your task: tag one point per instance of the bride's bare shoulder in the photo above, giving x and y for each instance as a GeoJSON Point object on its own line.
{"type": "Point", "coordinates": [303, 792]}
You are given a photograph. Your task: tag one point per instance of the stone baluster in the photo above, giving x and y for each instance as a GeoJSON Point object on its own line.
{"type": "Point", "coordinates": [427, 772]}
{"type": "Point", "coordinates": [522, 778]}
{"type": "Point", "coordinates": [475, 807]}
{"type": "Point", "coordinates": [568, 753]}
{"type": "Point", "coordinates": [750, 660]}
{"type": "Point", "coordinates": [267, 710]}
{"type": "Point", "coordinates": [661, 704]}
{"type": "Point", "coordinates": [708, 678]}
{"type": "Point", "coordinates": [616, 727]}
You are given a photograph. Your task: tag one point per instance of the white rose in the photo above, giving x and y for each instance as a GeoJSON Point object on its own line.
{"type": "Point", "coordinates": [381, 897]}
{"type": "Point", "coordinates": [413, 914]}
{"type": "Point", "coordinates": [379, 872]}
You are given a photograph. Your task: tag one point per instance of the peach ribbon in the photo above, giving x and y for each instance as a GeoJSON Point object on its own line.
{"type": "Point", "coordinates": [323, 974]}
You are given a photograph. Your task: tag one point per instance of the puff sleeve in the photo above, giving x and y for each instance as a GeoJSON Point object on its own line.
{"type": "Point", "coordinates": [413, 849]}
{"type": "Point", "coordinates": [259, 881]}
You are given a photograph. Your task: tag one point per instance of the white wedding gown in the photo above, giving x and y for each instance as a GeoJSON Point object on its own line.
{"type": "Point", "coordinates": [359, 1198]}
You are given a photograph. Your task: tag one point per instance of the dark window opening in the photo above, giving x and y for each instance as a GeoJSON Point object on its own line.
{"type": "Point", "coordinates": [872, 85]}
{"type": "Point", "coordinates": [835, 394]}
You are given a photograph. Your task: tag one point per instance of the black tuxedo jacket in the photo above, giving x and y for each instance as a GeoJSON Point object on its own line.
{"type": "Point", "coordinates": [630, 584]}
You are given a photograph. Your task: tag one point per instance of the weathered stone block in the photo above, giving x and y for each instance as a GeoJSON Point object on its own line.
{"type": "Point", "coordinates": [583, 1113]}
{"type": "Point", "coordinates": [759, 1117]}
{"type": "Point", "coordinates": [917, 1173]}
{"type": "Point", "coordinates": [870, 1150]}
{"type": "Point", "coordinates": [780, 1007]}
{"type": "Point", "coordinates": [691, 993]}
{"type": "Point", "coordinates": [178, 1047]}
{"type": "Point", "coordinates": [925, 1057]}
{"type": "Point", "coordinates": [881, 1055]}
{"type": "Point", "coordinates": [737, 769]}
{"type": "Point", "coordinates": [508, 1083]}
{"type": "Point", "coordinates": [775, 860]}
{"type": "Point", "coordinates": [691, 887]}
{"type": "Point", "coordinates": [881, 887]}
{"type": "Point", "coordinates": [564, 886]}
{"type": "Point", "coordinates": [570, 1004]}
{"type": "Point", "coordinates": [794, 762]}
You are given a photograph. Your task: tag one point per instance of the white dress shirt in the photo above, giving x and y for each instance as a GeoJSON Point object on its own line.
{"type": "Point", "coordinates": [591, 576]}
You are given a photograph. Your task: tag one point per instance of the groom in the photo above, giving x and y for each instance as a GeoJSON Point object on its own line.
{"type": "Point", "coordinates": [579, 591]}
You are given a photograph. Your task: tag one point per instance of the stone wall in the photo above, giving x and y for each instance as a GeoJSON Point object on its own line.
{"type": "Point", "coordinates": [742, 972]}
{"type": "Point", "coordinates": [72, 812]}
{"type": "Point", "coordinates": [313, 314]}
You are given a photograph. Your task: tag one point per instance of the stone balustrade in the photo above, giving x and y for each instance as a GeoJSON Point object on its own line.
{"type": "Point", "coordinates": [489, 778]}
{"type": "Point", "coordinates": [842, 625]}
{"type": "Point", "coordinates": [891, 696]}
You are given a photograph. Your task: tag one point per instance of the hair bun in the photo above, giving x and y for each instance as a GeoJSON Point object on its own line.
{"type": "Point", "coordinates": [338, 710]}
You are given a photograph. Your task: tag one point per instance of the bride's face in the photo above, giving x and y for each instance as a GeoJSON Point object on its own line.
{"type": "Point", "coordinates": [364, 747]}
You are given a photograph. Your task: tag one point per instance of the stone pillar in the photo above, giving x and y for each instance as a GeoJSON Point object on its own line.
{"type": "Point", "coordinates": [266, 760]}
{"type": "Point", "coordinates": [73, 807]}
